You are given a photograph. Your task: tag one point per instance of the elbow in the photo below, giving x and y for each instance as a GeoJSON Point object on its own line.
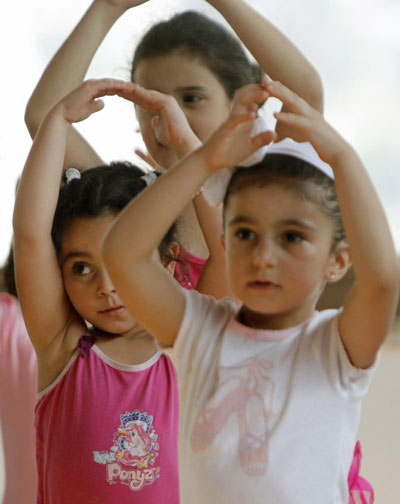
{"type": "Point", "coordinates": [387, 284]}
{"type": "Point", "coordinates": [32, 118]}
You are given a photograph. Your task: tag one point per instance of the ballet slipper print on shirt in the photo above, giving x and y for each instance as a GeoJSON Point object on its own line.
{"type": "Point", "coordinates": [239, 394]}
{"type": "Point", "coordinates": [253, 443]}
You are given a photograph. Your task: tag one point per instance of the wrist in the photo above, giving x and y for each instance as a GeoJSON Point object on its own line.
{"type": "Point", "coordinates": [344, 157]}
{"type": "Point", "coordinates": [110, 9]}
{"type": "Point", "coordinates": [57, 116]}
{"type": "Point", "coordinates": [222, 4]}
{"type": "Point", "coordinates": [187, 146]}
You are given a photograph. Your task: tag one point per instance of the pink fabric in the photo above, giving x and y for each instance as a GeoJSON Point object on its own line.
{"type": "Point", "coordinates": [361, 492]}
{"type": "Point", "coordinates": [188, 269]}
{"type": "Point", "coordinates": [18, 385]}
{"type": "Point", "coordinates": [107, 433]}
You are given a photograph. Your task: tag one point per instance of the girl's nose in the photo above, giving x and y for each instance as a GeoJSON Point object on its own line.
{"type": "Point", "coordinates": [105, 286]}
{"type": "Point", "coordinates": [264, 254]}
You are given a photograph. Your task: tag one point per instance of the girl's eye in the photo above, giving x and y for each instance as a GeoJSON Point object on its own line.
{"type": "Point", "coordinates": [245, 234]}
{"type": "Point", "coordinates": [191, 98]}
{"type": "Point", "coordinates": [293, 237]}
{"type": "Point", "coordinates": [81, 269]}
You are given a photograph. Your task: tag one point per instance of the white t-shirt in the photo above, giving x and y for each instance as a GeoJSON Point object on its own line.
{"type": "Point", "coordinates": [266, 416]}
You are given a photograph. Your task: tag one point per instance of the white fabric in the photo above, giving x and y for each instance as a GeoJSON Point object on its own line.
{"type": "Point", "coordinates": [300, 150]}
{"type": "Point", "coordinates": [216, 185]}
{"type": "Point", "coordinates": [266, 416]}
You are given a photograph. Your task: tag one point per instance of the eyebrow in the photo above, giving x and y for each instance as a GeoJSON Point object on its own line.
{"type": "Point", "coordinates": [245, 219]}
{"type": "Point", "coordinates": [298, 222]}
{"type": "Point", "coordinates": [242, 219]}
{"type": "Point", "coordinates": [74, 254]}
{"type": "Point", "coordinates": [190, 88]}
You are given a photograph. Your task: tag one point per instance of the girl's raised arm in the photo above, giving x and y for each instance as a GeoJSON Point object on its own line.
{"type": "Point", "coordinates": [148, 291]}
{"type": "Point", "coordinates": [40, 286]}
{"type": "Point", "coordinates": [370, 308]}
{"type": "Point", "coordinates": [172, 129]}
{"type": "Point", "coordinates": [67, 70]}
{"type": "Point", "coordinates": [279, 58]}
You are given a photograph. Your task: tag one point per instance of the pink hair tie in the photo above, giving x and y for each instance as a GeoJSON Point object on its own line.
{"type": "Point", "coordinates": [199, 191]}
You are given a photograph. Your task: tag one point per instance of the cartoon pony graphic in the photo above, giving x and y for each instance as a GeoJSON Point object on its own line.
{"type": "Point", "coordinates": [136, 444]}
{"type": "Point", "coordinates": [135, 441]}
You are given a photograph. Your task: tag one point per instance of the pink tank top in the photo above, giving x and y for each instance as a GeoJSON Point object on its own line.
{"type": "Point", "coordinates": [107, 432]}
{"type": "Point", "coordinates": [18, 387]}
{"type": "Point", "coordinates": [188, 269]}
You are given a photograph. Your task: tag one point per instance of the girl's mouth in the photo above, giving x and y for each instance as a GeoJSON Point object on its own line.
{"type": "Point", "coordinates": [113, 311]}
{"type": "Point", "coordinates": [263, 285]}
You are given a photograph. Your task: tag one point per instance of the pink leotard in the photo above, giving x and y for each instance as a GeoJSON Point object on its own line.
{"type": "Point", "coordinates": [107, 432]}
{"type": "Point", "coordinates": [188, 269]}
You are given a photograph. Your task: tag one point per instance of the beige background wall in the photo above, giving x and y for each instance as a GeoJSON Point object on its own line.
{"type": "Point", "coordinates": [379, 431]}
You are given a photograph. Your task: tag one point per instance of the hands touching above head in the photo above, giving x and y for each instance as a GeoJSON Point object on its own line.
{"type": "Point", "coordinates": [170, 125]}
{"type": "Point", "coordinates": [232, 142]}
{"type": "Point", "coordinates": [169, 122]}
{"type": "Point", "coordinates": [310, 123]}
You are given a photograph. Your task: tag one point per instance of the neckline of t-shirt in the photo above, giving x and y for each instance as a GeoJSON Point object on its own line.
{"type": "Point", "coordinates": [265, 334]}
{"type": "Point", "coordinates": [131, 368]}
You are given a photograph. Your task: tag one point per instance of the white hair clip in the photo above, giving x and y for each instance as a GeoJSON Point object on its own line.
{"type": "Point", "coordinates": [71, 174]}
{"type": "Point", "coordinates": [149, 177]}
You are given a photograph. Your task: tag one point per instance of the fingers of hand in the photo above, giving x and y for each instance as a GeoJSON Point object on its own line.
{"type": "Point", "coordinates": [102, 87]}
{"type": "Point", "coordinates": [155, 121]}
{"type": "Point", "coordinates": [264, 138]}
{"type": "Point", "coordinates": [295, 120]}
{"type": "Point", "coordinates": [250, 97]}
{"type": "Point", "coordinates": [97, 105]}
{"type": "Point", "coordinates": [146, 157]}
{"type": "Point", "coordinates": [290, 99]}
{"type": "Point", "coordinates": [245, 120]}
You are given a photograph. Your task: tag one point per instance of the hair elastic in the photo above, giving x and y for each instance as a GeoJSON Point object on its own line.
{"type": "Point", "coordinates": [149, 177]}
{"type": "Point", "coordinates": [71, 174]}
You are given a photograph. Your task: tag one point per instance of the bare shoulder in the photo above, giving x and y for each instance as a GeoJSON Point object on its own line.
{"type": "Point", "coordinates": [54, 358]}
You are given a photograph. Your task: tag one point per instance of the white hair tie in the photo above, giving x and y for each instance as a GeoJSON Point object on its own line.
{"type": "Point", "coordinates": [149, 177]}
{"type": "Point", "coordinates": [71, 174]}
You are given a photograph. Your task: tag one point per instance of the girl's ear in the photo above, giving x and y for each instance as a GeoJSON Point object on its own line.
{"type": "Point", "coordinates": [339, 263]}
{"type": "Point", "coordinates": [173, 253]}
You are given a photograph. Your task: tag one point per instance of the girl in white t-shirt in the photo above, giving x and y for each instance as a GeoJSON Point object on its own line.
{"type": "Point", "coordinates": [271, 391]}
